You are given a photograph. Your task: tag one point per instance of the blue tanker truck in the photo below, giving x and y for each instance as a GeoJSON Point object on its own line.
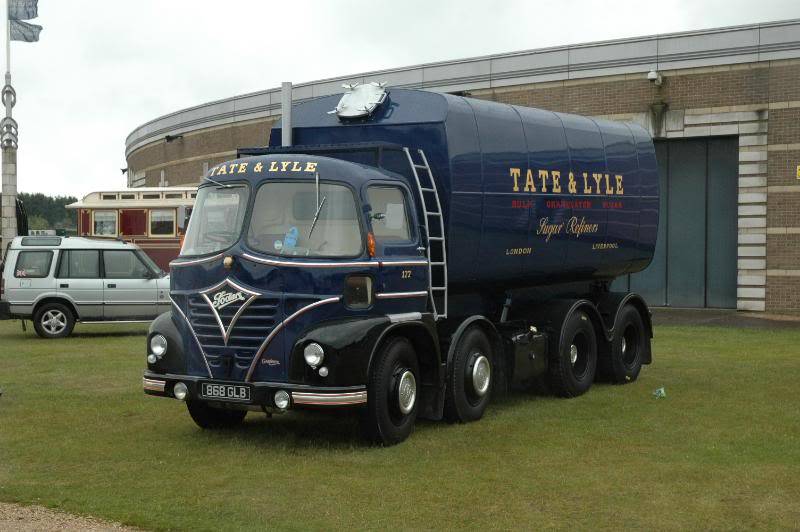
{"type": "Point", "coordinates": [410, 254]}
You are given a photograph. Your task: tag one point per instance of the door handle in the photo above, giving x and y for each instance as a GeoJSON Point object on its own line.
{"type": "Point", "coordinates": [111, 285]}
{"type": "Point", "coordinates": [63, 285]}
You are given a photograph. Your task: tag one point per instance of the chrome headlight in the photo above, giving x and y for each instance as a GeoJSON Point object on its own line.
{"type": "Point", "coordinates": [158, 345]}
{"type": "Point", "coordinates": [314, 355]}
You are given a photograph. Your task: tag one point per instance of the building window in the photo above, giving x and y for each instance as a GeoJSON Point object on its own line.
{"type": "Point", "coordinates": [127, 196]}
{"type": "Point", "coordinates": [173, 195]}
{"type": "Point", "coordinates": [151, 196]}
{"type": "Point", "coordinates": [162, 222]}
{"type": "Point", "coordinates": [109, 196]}
{"type": "Point", "coordinates": [105, 223]}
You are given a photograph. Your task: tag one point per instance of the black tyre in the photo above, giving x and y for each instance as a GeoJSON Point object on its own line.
{"type": "Point", "coordinates": [628, 348]}
{"type": "Point", "coordinates": [392, 394]}
{"type": "Point", "coordinates": [208, 417]}
{"type": "Point", "coordinates": [469, 384]}
{"type": "Point", "coordinates": [573, 363]}
{"type": "Point", "coordinates": [53, 320]}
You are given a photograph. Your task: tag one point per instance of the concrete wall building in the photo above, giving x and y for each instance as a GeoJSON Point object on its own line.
{"type": "Point", "coordinates": [723, 105]}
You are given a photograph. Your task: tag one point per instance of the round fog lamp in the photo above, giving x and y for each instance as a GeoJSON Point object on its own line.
{"type": "Point", "coordinates": [180, 391]}
{"type": "Point", "coordinates": [282, 399]}
{"type": "Point", "coordinates": [152, 359]}
{"type": "Point", "coordinates": [158, 345]}
{"type": "Point", "coordinates": [314, 355]}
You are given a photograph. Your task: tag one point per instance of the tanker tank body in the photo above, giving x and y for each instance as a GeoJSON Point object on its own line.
{"type": "Point", "coordinates": [531, 198]}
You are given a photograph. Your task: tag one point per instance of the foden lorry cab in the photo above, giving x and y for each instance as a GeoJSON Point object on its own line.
{"type": "Point", "coordinates": [410, 260]}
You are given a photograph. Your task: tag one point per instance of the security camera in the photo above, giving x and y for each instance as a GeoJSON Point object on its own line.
{"type": "Point", "coordinates": [655, 77]}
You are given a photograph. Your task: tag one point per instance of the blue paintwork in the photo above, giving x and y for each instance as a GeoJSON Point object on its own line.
{"type": "Point", "coordinates": [293, 287]}
{"type": "Point", "coordinates": [471, 145]}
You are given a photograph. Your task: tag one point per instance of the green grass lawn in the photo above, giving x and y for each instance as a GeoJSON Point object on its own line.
{"type": "Point", "coordinates": [722, 450]}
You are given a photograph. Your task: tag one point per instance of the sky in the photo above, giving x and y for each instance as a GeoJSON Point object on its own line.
{"type": "Point", "coordinates": [104, 67]}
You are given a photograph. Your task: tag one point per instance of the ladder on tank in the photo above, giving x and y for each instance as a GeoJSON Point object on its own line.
{"type": "Point", "coordinates": [434, 232]}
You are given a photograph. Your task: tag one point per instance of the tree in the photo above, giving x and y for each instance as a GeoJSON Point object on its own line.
{"type": "Point", "coordinates": [50, 209]}
{"type": "Point", "coordinates": [38, 222]}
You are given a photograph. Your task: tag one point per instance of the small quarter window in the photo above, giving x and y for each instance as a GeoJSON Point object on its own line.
{"type": "Point", "coordinates": [105, 223]}
{"type": "Point", "coordinates": [33, 264]}
{"type": "Point", "coordinates": [389, 218]}
{"type": "Point", "coordinates": [162, 222]}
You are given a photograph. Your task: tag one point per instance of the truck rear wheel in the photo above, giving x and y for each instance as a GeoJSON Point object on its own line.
{"type": "Point", "coordinates": [628, 346]}
{"type": "Point", "coordinates": [208, 417]}
{"type": "Point", "coordinates": [392, 394]}
{"type": "Point", "coordinates": [53, 320]}
{"type": "Point", "coordinates": [469, 384]}
{"type": "Point", "coordinates": [574, 363]}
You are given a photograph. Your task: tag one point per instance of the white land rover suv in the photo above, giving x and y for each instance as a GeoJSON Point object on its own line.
{"type": "Point", "coordinates": [58, 281]}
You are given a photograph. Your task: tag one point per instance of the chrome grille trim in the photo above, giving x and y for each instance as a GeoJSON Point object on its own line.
{"type": "Point", "coordinates": [227, 332]}
{"type": "Point", "coordinates": [194, 335]}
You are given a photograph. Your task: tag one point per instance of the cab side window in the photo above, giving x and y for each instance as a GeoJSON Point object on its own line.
{"type": "Point", "coordinates": [124, 265]}
{"type": "Point", "coordinates": [389, 213]}
{"type": "Point", "coordinates": [79, 264]}
{"type": "Point", "coordinates": [33, 264]}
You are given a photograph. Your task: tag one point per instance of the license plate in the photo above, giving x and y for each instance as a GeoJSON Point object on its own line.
{"type": "Point", "coordinates": [228, 392]}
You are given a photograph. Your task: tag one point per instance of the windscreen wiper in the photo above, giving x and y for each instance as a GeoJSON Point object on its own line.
{"type": "Point", "coordinates": [316, 216]}
{"type": "Point", "coordinates": [218, 183]}
{"type": "Point", "coordinates": [319, 204]}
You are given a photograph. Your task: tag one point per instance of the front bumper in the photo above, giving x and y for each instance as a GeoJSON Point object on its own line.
{"type": "Point", "coordinates": [5, 310]}
{"type": "Point", "coordinates": [261, 393]}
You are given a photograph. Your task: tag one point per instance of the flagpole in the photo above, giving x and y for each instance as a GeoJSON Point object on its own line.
{"type": "Point", "coordinates": [8, 47]}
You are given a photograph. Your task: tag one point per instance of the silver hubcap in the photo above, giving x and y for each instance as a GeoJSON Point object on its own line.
{"type": "Point", "coordinates": [481, 375]}
{"type": "Point", "coordinates": [407, 392]}
{"type": "Point", "coordinates": [573, 353]}
{"type": "Point", "coordinates": [54, 321]}
{"type": "Point", "coordinates": [624, 345]}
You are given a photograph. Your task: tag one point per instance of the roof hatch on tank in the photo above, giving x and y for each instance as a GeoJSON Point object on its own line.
{"type": "Point", "coordinates": [360, 100]}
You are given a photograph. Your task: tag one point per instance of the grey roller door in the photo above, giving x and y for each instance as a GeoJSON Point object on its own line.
{"type": "Point", "coordinates": [695, 260]}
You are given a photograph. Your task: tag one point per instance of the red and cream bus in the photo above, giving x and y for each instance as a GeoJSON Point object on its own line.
{"type": "Point", "coordinates": [152, 218]}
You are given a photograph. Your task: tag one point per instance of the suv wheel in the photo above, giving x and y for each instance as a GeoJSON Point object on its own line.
{"type": "Point", "coordinates": [53, 320]}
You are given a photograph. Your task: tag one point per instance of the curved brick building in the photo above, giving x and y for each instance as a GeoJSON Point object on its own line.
{"type": "Point", "coordinates": [723, 105]}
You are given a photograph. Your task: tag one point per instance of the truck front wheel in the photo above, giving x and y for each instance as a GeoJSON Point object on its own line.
{"type": "Point", "coordinates": [392, 393]}
{"type": "Point", "coordinates": [628, 346]}
{"type": "Point", "coordinates": [208, 417]}
{"type": "Point", "coordinates": [469, 385]}
{"type": "Point", "coordinates": [574, 362]}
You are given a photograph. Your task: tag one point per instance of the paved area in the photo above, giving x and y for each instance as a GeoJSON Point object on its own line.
{"type": "Point", "coordinates": [723, 318]}
{"type": "Point", "coordinates": [36, 518]}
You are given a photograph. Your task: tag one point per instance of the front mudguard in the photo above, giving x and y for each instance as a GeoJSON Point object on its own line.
{"type": "Point", "coordinates": [174, 360]}
{"type": "Point", "coordinates": [348, 344]}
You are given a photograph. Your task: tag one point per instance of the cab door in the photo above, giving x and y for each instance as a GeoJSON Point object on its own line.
{"type": "Point", "coordinates": [403, 280]}
{"type": "Point", "coordinates": [129, 287]}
